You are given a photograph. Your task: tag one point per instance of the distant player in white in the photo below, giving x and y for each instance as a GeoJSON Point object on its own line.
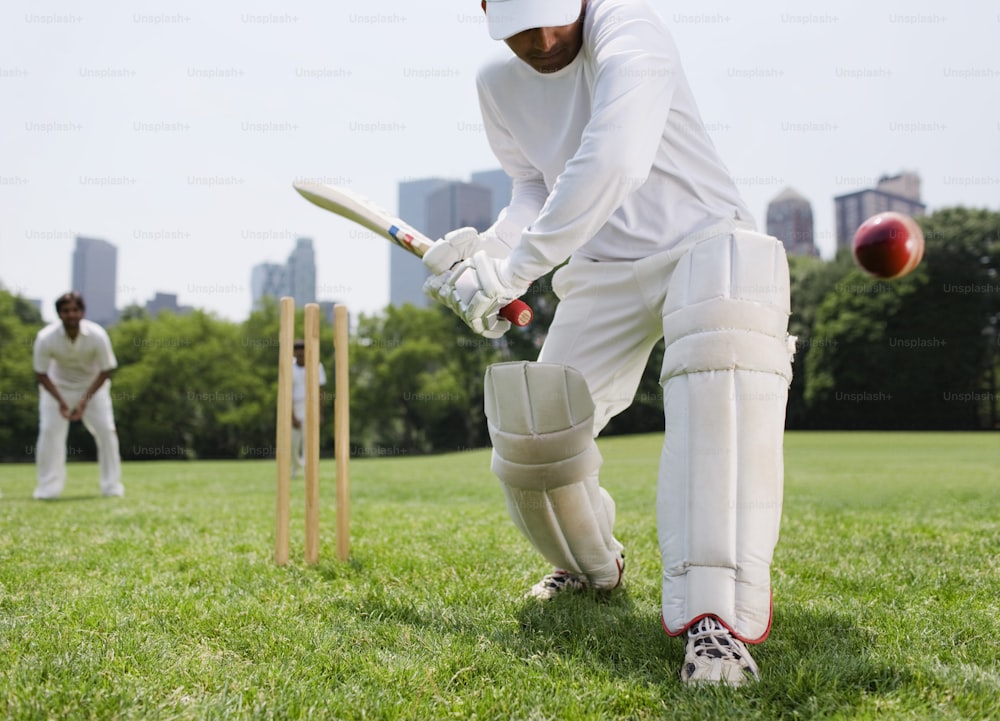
{"type": "Point", "coordinates": [299, 405]}
{"type": "Point", "coordinates": [613, 170]}
{"type": "Point", "coordinates": [73, 362]}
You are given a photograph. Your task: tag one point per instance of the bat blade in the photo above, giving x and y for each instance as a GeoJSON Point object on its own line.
{"type": "Point", "coordinates": [366, 213]}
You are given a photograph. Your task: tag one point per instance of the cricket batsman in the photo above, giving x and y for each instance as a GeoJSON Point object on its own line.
{"type": "Point", "coordinates": [613, 171]}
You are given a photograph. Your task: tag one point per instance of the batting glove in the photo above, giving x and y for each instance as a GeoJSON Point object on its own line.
{"type": "Point", "coordinates": [460, 244]}
{"type": "Point", "coordinates": [476, 289]}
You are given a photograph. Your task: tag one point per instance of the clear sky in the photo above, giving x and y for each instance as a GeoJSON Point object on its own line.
{"type": "Point", "coordinates": [174, 130]}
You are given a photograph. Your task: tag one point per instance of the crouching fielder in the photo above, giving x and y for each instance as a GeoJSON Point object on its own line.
{"type": "Point", "coordinates": [612, 170]}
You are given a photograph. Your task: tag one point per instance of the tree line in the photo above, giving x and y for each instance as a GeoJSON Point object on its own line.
{"type": "Point", "coordinates": [921, 352]}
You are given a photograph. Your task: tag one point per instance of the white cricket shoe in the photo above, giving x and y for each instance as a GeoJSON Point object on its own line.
{"type": "Point", "coordinates": [713, 655]}
{"type": "Point", "coordinates": [555, 583]}
{"type": "Point", "coordinates": [560, 581]}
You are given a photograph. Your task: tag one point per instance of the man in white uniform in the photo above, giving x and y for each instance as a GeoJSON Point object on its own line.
{"type": "Point", "coordinates": [299, 405]}
{"type": "Point", "coordinates": [73, 361]}
{"type": "Point", "coordinates": [613, 170]}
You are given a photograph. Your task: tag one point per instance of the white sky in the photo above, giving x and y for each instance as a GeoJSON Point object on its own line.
{"type": "Point", "coordinates": [174, 130]}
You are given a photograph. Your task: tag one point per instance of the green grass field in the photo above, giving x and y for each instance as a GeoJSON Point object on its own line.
{"type": "Point", "coordinates": [166, 604]}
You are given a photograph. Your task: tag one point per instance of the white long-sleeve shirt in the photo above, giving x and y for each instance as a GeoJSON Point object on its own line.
{"type": "Point", "coordinates": [609, 157]}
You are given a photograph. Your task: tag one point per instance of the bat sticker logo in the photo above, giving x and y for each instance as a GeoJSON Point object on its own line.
{"type": "Point", "coordinates": [396, 232]}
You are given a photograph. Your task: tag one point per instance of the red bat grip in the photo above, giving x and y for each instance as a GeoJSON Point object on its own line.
{"type": "Point", "coordinates": [517, 312]}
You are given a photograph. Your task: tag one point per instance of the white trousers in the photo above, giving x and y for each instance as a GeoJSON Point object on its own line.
{"type": "Point", "coordinates": [50, 451]}
{"type": "Point", "coordinates": [298, 450]}
{"type": "Point", "coordinates": [609, 317]}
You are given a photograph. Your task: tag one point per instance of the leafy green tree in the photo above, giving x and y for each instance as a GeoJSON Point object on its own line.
{"type": "Point", "coordinates": [133, 312]}
{"type": "Point", "coordinates": [186, 387]}
{"type": "Point", "coordinates": [416, 382]}
{"type": "Point", "coordinates": [811, 280]}
{"type": "Point", "coordinates": [963, 260]}
{"type": "Point", "coordinates": [851, 375]}
{"type": "Point", "coordinates": [910, 353]}
{"type": "Point", "coordinates": [20, 321]}
{"type": "Point", "coordinates": [259, 338]}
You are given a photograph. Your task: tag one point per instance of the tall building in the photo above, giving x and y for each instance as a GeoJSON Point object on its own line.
{"type": "Point", "coordinates": [500, 183]}
{"type": "Point", "coordinates": [302, 272]}
{"type": "Point", "coordinates": [900, 193]}
{"type": "Point", "coordinates": [326, 308]}
{"type": "Point", "coordinates": [296, 278]}
{"type": "Point", "coordinates": [268, 280]}
{"type": "Point", "coordinates": [904, 185]}
{"type": "Point", "coordinates": [437, 207]}
{"type": "Point", "coordinates": [95, 277]}
{"type": "Point", "coordinates": [790, 220]}
{"type": "Point", "coordinates": [459, 205]}
{"type": "Point", "coordinates": [413, 200]}
{"type": "Point", "coordinates": [407, 272]}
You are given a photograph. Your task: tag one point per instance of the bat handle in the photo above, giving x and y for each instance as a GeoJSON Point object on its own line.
{"type": "Point", "coordinates": [517, 312]}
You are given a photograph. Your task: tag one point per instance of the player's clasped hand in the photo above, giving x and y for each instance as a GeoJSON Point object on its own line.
{"type": "Point", "coordinates": [476, 289]}
{"type": "Point", "coordinates": [460, 244]}
{"type": "Point", "coordinates": [455, 247]}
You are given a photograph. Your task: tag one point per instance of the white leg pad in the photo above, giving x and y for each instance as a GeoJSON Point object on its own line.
{"type": "Point", "coordinates": [726, 371]}
{"type": "Point", "coordinates": [541, 422]}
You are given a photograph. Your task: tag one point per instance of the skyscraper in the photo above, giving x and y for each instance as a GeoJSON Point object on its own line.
{"type": "Point", "coordinates": [500, 183]}
{"type": "Point", "coordinates": [435, 206]}
{"type": "Point", "coordinates": [438, 207]}
{"type": "Point", "coordinates": [406, 272]}
{"type": "Point", "coordinates": [296, 278]}
{"type": "Point", "coordinates": [302, 272]}
{"type": "Point", "coordinates": [790, 220]}
{"type": "Point", "coordinates": [900, 193]}
{"type": "Point", "coordinates": [459, 205]}
{"type": "Point", "coordinates": [268, 280]}
{"type": "Point", "coordinates": [95, 277]}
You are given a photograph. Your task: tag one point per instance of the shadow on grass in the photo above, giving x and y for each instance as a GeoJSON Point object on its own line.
{"type": "Point", "coordinates": [603, 631]}
{"type": "Point", "coordinates": [337, 570]}
{"type": "Point", "coordinates": [812, 654]}
{"type": "Point", "coordinates": [814, 664]}
{"type": "Point", "coordinates": [61, 499]}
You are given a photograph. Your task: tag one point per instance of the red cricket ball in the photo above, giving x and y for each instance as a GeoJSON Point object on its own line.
{"type": "Point", "coordinates": [888, 245]}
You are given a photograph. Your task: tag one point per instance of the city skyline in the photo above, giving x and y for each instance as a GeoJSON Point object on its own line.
{"type": "Point", "coordinates": [177, 135]}
{"type": "Point", "coordinates": [434, 204]}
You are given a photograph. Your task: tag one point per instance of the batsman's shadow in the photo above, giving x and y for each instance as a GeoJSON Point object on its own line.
{"type": "Point", "coordinates": [604, 631]}
{"type": "Point", "coordinates": [808, 655]}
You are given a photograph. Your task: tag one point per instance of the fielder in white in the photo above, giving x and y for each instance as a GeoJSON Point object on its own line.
{"type": "Point", "coordinates": [299, 404]}
{"type": "Point", "coordinates": [73, 362]}
{"type": "Point", "coordinates": [613, 171]}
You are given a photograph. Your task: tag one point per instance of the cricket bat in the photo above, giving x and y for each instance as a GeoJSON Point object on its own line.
{"type": "Point", "coordinates": [348, 204]}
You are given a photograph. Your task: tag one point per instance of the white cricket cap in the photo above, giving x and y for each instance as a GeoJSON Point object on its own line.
{"type": "Point", "coordinates": [509, 17]}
